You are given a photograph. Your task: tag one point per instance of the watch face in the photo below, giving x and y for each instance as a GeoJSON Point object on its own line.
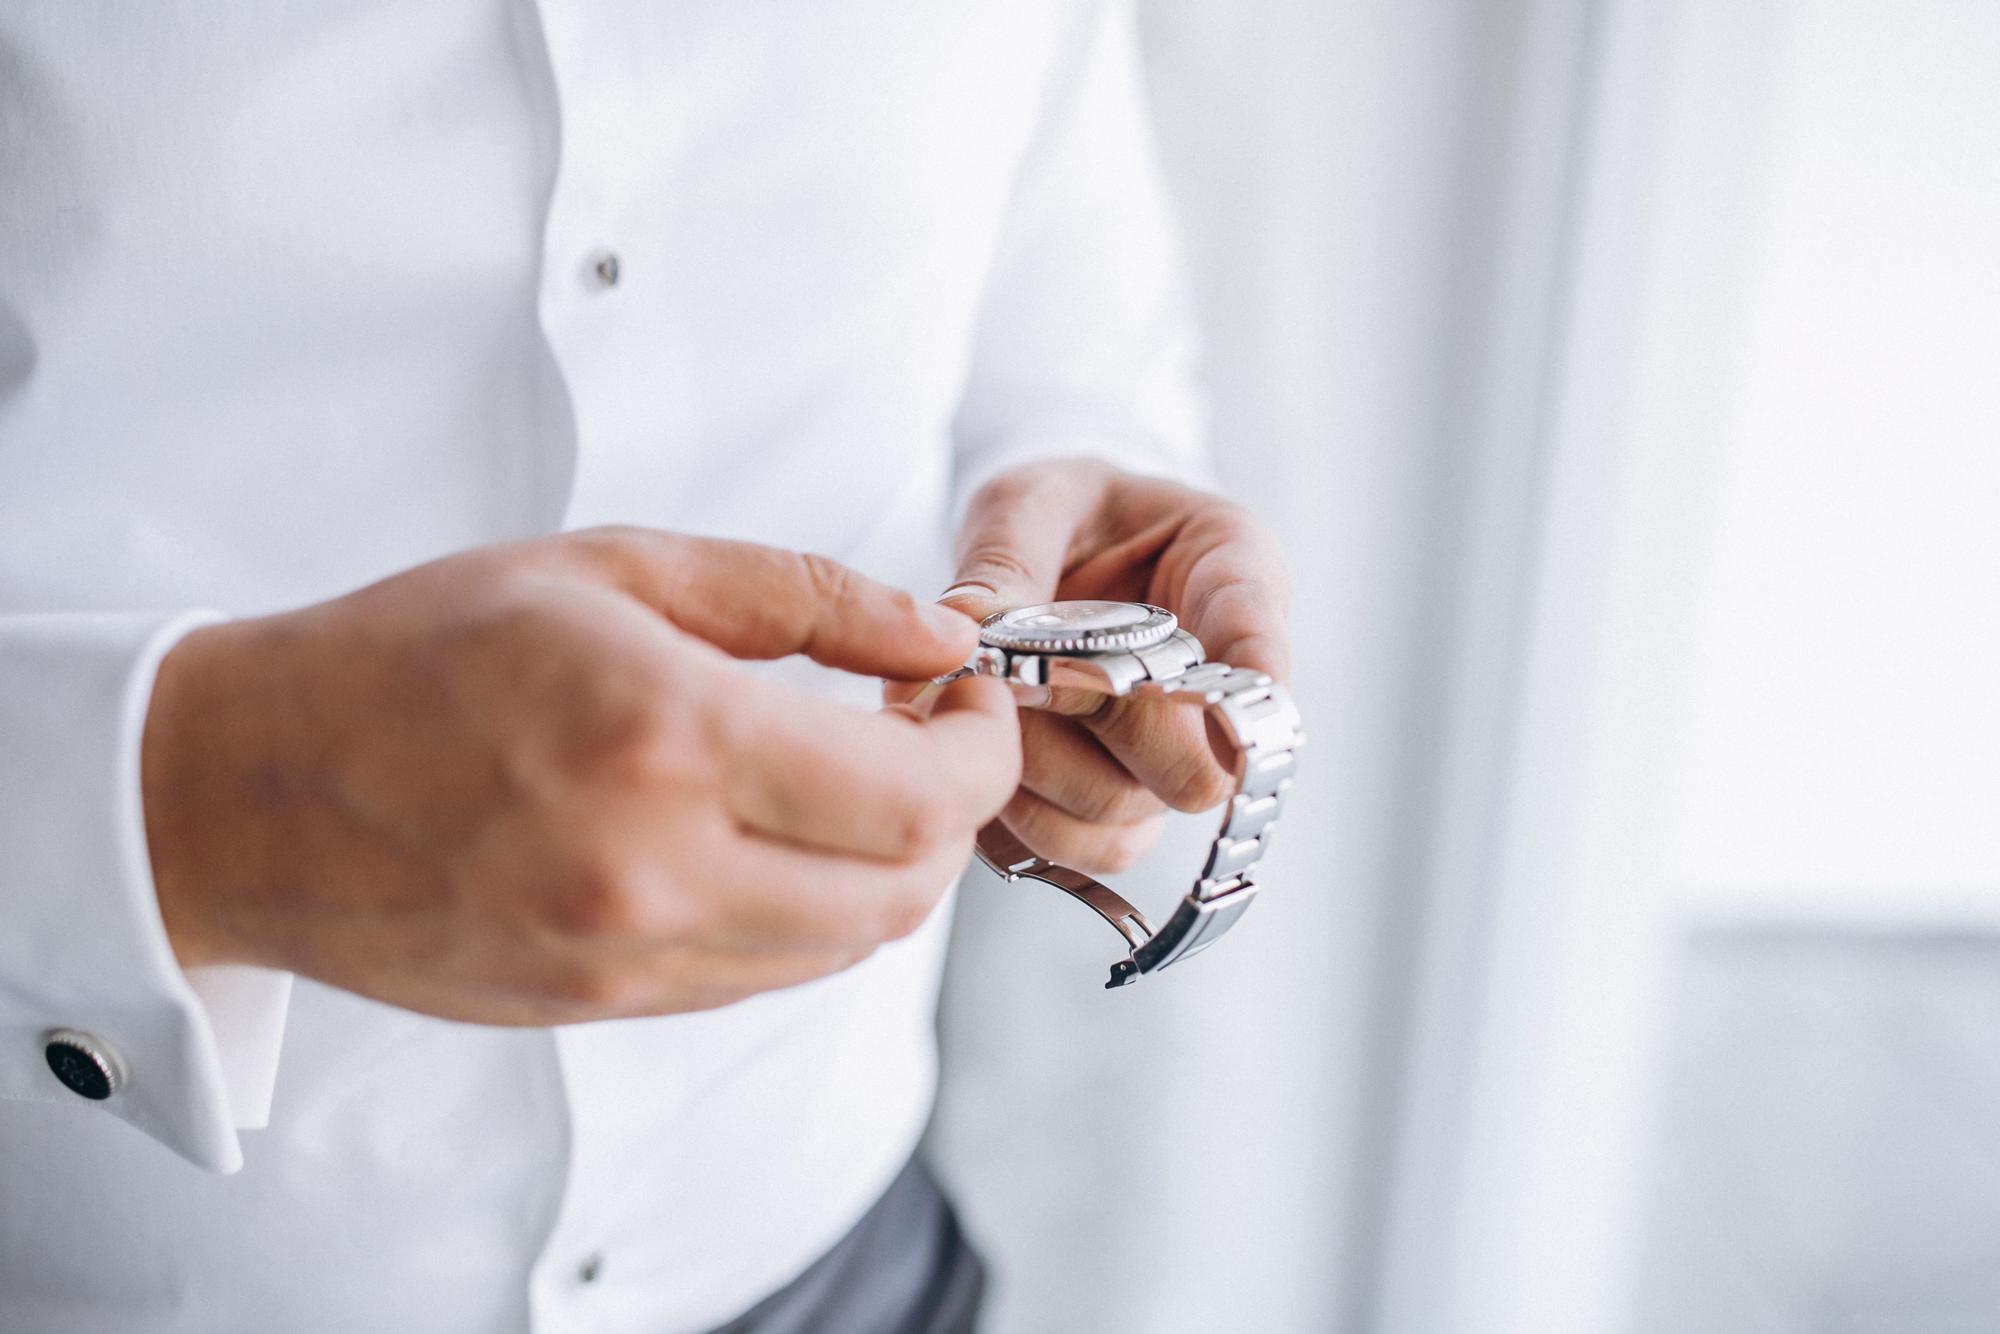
{"type": "Point", "coordinates": [1078, 627]}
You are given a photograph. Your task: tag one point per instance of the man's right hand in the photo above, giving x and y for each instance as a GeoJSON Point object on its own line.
{"type": "Point", "coordinates": [529, 784]}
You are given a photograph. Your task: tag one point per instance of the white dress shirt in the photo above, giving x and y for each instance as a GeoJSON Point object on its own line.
{"type": "Point", "coordinates": [293, 296]}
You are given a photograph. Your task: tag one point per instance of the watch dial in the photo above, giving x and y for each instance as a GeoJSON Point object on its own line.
{"type": "Point", "coordinates": [1079, 627]}
{"type": "Point", "coordinates": [1079, 616]}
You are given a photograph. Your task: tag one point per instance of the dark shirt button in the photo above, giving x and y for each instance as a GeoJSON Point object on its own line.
{"type": "Point", "coordinates": [606, 269]}
{"type": "Point", "coordinates": [591, 1269]}
{"type": "Point", "coordinates": [85, 1065]}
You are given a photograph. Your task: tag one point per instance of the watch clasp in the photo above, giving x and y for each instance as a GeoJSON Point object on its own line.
{"type": "Point", "coordinates": [1195, 925]}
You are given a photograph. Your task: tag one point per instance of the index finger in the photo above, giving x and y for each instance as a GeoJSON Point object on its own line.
{"type": "Point", "coordinates": [1234, 594]}
{"type": "Point", "coordinates": [892, 785]}
{"type": "Point", "coordinates": [754, 601]}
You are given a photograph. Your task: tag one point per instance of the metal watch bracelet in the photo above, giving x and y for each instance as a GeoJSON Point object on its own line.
{"type": "Point", "coordinates": [1258, 717]}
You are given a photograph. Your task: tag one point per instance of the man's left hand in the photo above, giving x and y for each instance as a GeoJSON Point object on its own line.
{"type": "Point", "coordinates": [1099, 773]}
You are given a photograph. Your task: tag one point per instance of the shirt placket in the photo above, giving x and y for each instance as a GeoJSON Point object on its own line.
{"type": "Point", "coordinates": [593, 308]}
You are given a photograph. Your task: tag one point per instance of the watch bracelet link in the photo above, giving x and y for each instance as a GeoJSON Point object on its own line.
{"type": "Point", "coordinates": [1260, 720]}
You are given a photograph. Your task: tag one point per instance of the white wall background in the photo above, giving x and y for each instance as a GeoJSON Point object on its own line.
{"type": "Point", "coordinates": [1624, 378]}
{"type": "Point", "coordinates": [1843, 707]}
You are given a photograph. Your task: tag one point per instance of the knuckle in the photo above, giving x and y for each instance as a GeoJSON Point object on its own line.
{"type": "Point", "coordinates": [600, 900]}
{"type": "Point", "coordinates": [901, 603]}
{"type": "Point", "coordinates": [1198, 785]}
{"type": "Point", "coordinates": [1232, 517]}
{"type": "Point", "coordinates": [605, 541]}
{"type": "Point", "coordinates": [1112, 802]}
{"type": "Point", "coordinates": [995, 562]}
{"type": "Point", "coordinates": [1109, 715]}
{"type": "Point", "coordinates": [922, 827]}
{"type": "Point", "coordinates": [1121, 848]}
{"type": "Point", "coordinates": [1005, 488]}
{"type": "Point", "coordinates": [826, 578]}
{"type": "Point", "coordinates": [646, 738]}
{"type": "Point", "coordinates": [1235, 587]}
{"type": "Point", "coordinates": [915, 895]}
{"type": "Point", "coordinates": [1094, 803]}
{"type": "Point", "coordinates": [632, 735]}
{"type": "Point", "coordinates": [1115, 855]}
{"type": "Point", "coordinates": [1120, 858]}
{"type": "Point", "coordinates": [1218, 520]}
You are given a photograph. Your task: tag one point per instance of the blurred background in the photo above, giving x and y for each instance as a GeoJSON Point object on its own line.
{"type": "Point", "coordinates": [1624, 378]}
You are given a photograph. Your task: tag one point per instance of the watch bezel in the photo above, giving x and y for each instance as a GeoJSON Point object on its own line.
{"type": "Point", "coordinates": [996, 631]}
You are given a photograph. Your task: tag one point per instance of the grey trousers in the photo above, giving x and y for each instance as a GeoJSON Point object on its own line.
{"type": "Point", "coordinates": [906, 1268]}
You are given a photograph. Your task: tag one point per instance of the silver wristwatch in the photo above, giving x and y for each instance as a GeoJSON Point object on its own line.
{"type": "Point", "coordinates": [1131, 648]}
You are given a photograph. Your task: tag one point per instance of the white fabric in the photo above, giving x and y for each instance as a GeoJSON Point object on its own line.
{"type": "Point", "coordinates": [292, 297]}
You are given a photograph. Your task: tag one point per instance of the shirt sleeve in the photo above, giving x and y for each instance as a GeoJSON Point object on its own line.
{"type": "Point", "coordinates": [1086, 342]}
{"type": "Point", "coordinates": [82, 947]}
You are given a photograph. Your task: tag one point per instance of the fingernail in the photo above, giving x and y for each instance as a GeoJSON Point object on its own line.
{"type": "Point", "coordinates": [966, 590]}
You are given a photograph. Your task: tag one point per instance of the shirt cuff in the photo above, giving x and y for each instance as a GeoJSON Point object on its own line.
{"type": "Point", "coordinates": [82, 946]}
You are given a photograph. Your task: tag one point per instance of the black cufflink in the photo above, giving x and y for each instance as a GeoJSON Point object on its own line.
{"type": "Point", "coordinates": [86, 1066]}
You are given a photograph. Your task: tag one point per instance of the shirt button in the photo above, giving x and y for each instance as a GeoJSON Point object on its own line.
{"type": "Point", "coordinates": [591, 1269]}
{"type": "Point", "coordinates": [605, 266]}
{"type": "Point", "coordinates": [86, 1065]}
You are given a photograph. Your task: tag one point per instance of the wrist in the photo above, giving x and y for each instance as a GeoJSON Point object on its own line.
{"type": "Point", "coordinates": [184, 762]}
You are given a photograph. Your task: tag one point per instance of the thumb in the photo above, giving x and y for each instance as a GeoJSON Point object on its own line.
{"type": "Point", "coordinates": [1011, 554]}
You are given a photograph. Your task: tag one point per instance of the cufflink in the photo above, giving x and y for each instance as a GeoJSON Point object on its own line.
{"type": "Point", "coordinates": [86, 1065]}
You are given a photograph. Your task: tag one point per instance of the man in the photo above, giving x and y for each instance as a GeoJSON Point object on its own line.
{"type": "Point", "coordinates": [410, 417]}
